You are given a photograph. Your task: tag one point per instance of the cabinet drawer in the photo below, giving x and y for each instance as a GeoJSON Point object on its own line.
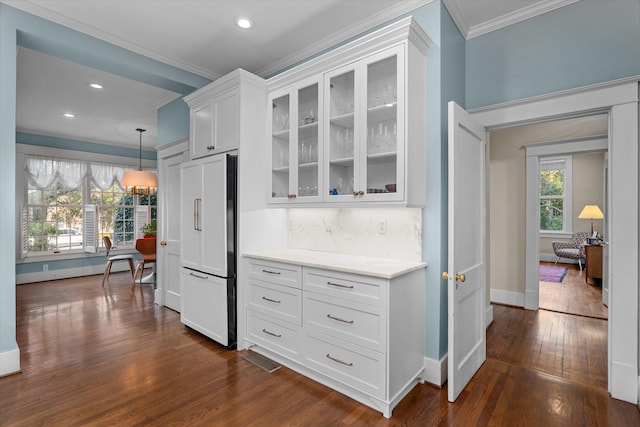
{"type": "Point", "coordinates": [278, 301]}
{"type": "Point", "coordinates": [276, 272]}
{"type": "Point", "coordinates": [351, 322]}
{"type": "Point", "coordinates": [359, 368]}
{"type": "Point", "coordinates": [272, 335]}
{"type": "Point", "coordinates": [351, 287]}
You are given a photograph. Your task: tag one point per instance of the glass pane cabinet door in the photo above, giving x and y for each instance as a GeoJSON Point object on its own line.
{"type": "Point", "coordinates": [341, 134]}
{"type": "Point", "coordinates": [382, 126]}
{"type": "Point", "coordinates": [280, 137]}
{"type": "Point", "coordinates": [308, 111]}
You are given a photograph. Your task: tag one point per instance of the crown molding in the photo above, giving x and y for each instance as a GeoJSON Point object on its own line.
{"type": "Point", "coordinates": [469, 32]}
{"type": "Point", "coordinates": [356, 29]}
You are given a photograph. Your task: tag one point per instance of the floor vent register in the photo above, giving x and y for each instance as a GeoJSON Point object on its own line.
{"type": "Point", "coordinates": [261, 362]}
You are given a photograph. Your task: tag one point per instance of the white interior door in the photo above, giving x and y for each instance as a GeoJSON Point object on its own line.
{"type": "Point", "coordinates": [466, 270]}
{"type": "Point", "coordinates": [169, 249]}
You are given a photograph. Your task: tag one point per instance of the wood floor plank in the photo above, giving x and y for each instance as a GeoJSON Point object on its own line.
{"type": "Point", "coordinates": [107, 357]}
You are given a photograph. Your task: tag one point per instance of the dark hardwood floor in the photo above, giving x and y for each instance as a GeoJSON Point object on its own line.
{"type": "Point", "coordinates": [111, 357]}
{"type": "Point", "coordinates": [573, 295]}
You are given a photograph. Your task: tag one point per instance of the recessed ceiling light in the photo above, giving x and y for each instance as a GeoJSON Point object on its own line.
{"type": "Point", "coordinates": [69, 115]}
{"type": "Point", "coordinates": [244, 23]}
{"type": "Point", "coordinates": [95, 85]}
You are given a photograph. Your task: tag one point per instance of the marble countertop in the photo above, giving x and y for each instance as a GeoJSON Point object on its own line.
{"type": "Point", "coordinates": [369, 266]}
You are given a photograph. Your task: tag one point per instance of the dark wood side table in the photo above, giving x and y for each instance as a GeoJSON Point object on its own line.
{"type": "Point", "coordinates": [593, 264]}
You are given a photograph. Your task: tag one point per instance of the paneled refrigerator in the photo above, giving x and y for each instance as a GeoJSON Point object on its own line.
{"type": "Point", "coordinates": [208, 257]}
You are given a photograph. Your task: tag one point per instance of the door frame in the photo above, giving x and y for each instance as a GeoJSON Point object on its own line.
{"type": "Point", "coordinates": [533, 154]}
{"type": "Point", "coordinates": [620, 99]}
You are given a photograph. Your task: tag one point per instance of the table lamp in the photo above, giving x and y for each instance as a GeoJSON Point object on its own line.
{"type": "Point", "coordinates": [591, 212]}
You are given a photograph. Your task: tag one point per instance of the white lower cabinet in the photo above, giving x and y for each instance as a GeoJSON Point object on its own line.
{"type": "Point", "coordinates": [359, 334]}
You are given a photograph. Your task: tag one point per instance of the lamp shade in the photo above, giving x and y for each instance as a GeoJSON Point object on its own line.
{"type": "Point", "coordinates": [591, 212]}
{"type": "Point", "coordinates": [139, 182]}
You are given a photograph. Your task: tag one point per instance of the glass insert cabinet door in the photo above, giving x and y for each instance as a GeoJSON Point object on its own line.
{"type": "Point", "coordinates": [365, 133]}
{"type": "Point", "coordinates": [296, 144]}
{"type": "Point", "coordinates": [280, 141]}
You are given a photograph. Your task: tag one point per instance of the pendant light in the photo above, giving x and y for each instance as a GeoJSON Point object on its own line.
{"type": "Point", "coordinates": [140, 182]}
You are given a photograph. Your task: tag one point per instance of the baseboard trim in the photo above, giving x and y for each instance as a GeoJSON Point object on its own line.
{"type": "Point", "coordinates": [553, 257]}
{"type": "Point", "coordinates": [507, 297]}
{"type": "Point", "coordinates": [66, 273]}
{"type": "Point", "coordinates": [488, 317]}
{"type": "Point", "coordinates": [9, 362]}
{"type": "Point", "coordinates": [435, 371]}
{"type": "Point", "coordinates": [624, 382]}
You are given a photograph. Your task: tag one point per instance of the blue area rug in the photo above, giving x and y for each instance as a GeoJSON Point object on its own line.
{"type": "Point", "coordinates": [550, 273]}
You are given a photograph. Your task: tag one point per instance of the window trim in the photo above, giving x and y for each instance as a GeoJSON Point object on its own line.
{"type": "Point", "coordinates": [567, 197]}
{"type": "Point", "coordinates": [21, 193]}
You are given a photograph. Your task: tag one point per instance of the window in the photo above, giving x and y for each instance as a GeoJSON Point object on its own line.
{"type": "Point", "coordinates": [59, 190]}
{"type": "Point", "coordinates": [555, 194]}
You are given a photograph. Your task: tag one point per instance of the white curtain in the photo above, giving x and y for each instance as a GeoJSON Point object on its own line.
{"type": "Point", "coordinates": [43, 171]}
{"type": "Point", "coordinates": [553, 165]}
{"type": "Point", "coordinates": [105, 175]}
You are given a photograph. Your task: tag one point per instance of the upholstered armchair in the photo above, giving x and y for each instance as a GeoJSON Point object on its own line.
{"type": "Point", "coordinates": [573, 249]}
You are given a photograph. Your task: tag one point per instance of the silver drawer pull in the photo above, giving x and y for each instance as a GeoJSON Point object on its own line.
{"type": "Point", "coordinates": [338, 360]}
{"type": "Point", "coordinates": [270, 272]}
{"type": "Point", "coordinates": [271, 333]}
{"type": "Point", "coordinates": [339, 319]}
{"type": "Point", "coordinates": [198, 276]}
{"type": "Point", "coordinates": [340, 285]}
{"type": "Point", "coordinates": [271, 300]}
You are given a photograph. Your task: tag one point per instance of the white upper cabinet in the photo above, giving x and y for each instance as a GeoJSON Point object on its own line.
{"type": "Point", "coordinates": [296, 143]}
{"type": "Point", "coordinates": [365, 133]}
{"type": "Point", "coordinates": [216, 112]}
{"type": "Point", "coordinates": [367, 143]}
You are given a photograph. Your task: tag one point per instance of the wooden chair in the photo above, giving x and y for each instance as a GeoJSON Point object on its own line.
{"type": "Point", "coordinates": [147, 248]}
{"type": "Point", "coordinates": [112, 259]}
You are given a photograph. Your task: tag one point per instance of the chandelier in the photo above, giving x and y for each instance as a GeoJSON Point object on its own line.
{"type": "Point", "coordinates": [140, 182]}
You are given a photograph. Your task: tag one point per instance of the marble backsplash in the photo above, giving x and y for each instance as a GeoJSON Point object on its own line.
{"type": "Point", "coordinates": [394, 233]}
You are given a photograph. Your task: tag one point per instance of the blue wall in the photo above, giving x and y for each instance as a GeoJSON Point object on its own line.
{"type": "Point", "coordinates": [584, 43]}
{"type": "Point", "coordinates": [173, 122]}
{"type": "Point", "coordinates": [19, 28]}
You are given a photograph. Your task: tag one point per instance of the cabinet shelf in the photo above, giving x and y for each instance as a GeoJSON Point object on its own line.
{"type": "Point", "coordinates": [346, 161]}
{"type": "Point", "coordinates": [308, 165]}
{"type": "Point", "coordinates": [308, 130]}
{"type": "Point", "coordinates": [344, 120]}
{"type": "Point", "coordinates": [388, 155]}
{"type": "Point", "coordinates": [281, 134]}
{"type": "Point", "coordinates": [281, 169]}
{"type": "Point", "coordinates": [382, 113]}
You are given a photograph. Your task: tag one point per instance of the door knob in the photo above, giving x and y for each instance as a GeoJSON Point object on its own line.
{"type": "Point", "coordinates": [163, 243]}
{"type": "Point", "coordinates": [459, 277]}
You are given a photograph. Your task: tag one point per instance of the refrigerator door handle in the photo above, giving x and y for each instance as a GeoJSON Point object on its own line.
{"type": "Point", "coordinates": [196, 214]}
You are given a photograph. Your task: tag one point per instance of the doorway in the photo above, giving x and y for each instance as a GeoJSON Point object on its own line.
{"type": "Point", "coordinates": [564, 173]}
{"type": "Point", "coordinates": [620, 100]}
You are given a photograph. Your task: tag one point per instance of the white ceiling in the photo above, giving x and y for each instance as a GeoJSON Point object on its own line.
{"type": "Point", "coordinates": [200, 36]}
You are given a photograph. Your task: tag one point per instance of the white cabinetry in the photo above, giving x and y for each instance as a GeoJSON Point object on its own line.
{"type": "Point", "coordinates": [359, 334]}
{"type": "Point", "coordinates": [296, 143]}
{"type": "Point", "coordinates": [372, 134]}
{"type": "Point", "coordinates": [219, 109]}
